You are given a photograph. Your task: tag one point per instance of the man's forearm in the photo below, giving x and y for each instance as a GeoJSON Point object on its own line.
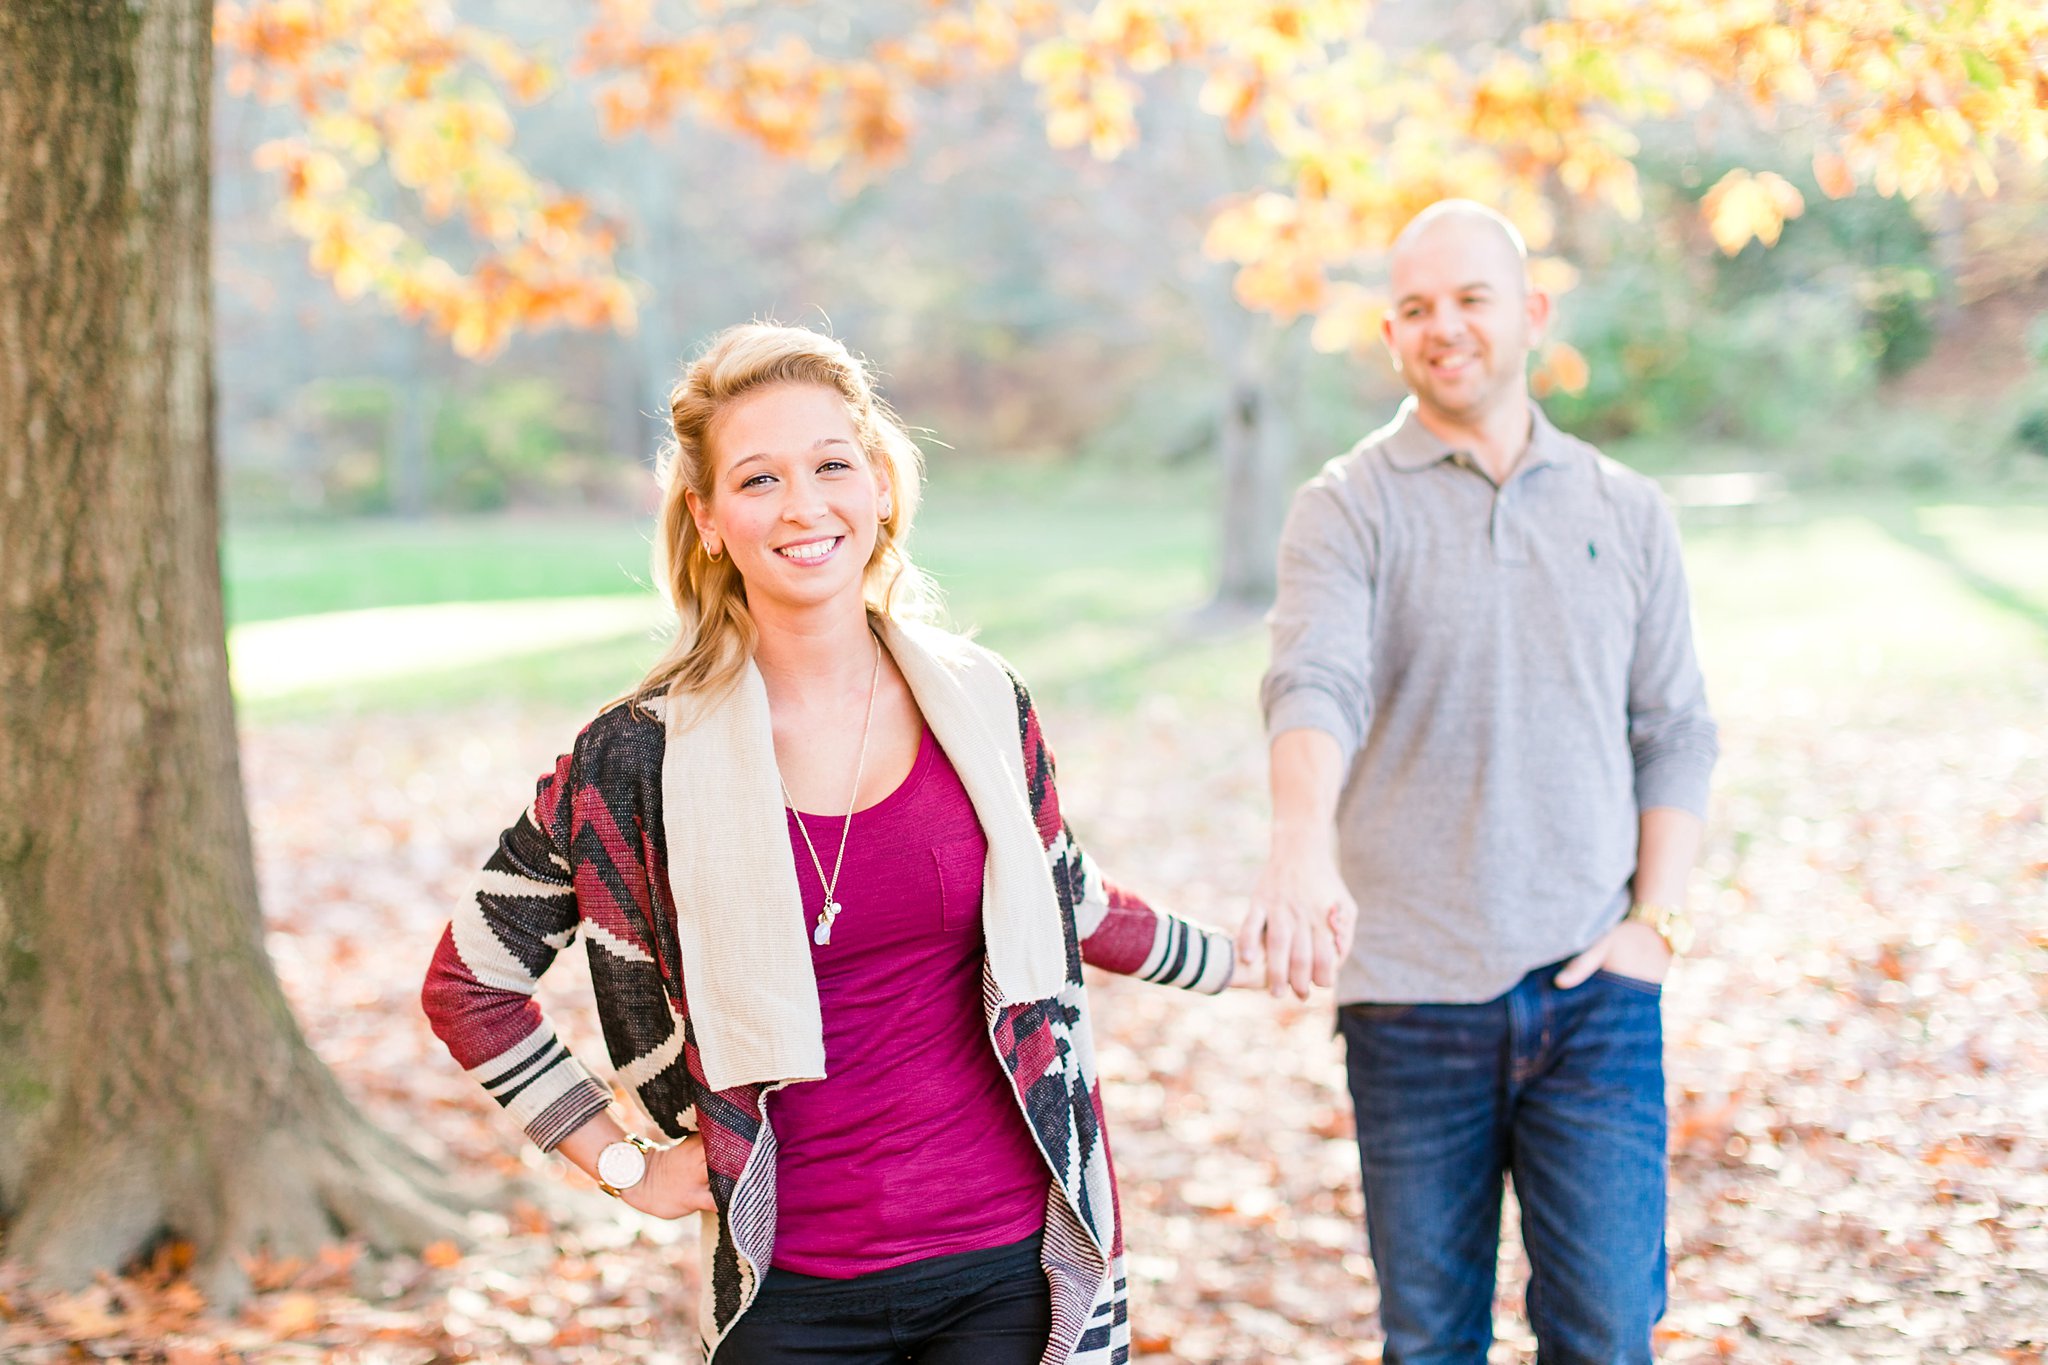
{"type": "Point", "coordinates": [1307, 772]}
{"type": "Point", "coordinates": [1668, 845]}
{"type": "Point", "coordinates": [1302, 916]}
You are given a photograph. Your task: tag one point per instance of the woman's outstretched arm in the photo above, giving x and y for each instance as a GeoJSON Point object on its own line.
{"type": "Point", "coordinates": [1119, 931]}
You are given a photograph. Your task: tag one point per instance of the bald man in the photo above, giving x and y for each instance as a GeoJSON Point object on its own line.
{"type": "Point", "coordinates": [1490, 755]}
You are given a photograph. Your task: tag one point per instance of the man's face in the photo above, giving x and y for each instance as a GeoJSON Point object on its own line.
{"type": "Point", "coordinates": [1463, 319]}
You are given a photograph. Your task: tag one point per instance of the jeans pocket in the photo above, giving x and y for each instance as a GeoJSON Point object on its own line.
{"type": "Point", "coordinates": [1653, 989]}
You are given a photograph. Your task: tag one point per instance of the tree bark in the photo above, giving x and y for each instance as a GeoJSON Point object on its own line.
{"type": "Point", "coordinates": [1259, 438]}
{"type": "Point", "coordinates": [153, 1083]}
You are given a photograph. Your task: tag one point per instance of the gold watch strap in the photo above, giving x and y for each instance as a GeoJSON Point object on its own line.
{"type": "Point", "coordinates": [1671, 922]}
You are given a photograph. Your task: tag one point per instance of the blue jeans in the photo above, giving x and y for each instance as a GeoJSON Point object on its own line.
{"type": "Point", "coordinates": [1560, 1091]}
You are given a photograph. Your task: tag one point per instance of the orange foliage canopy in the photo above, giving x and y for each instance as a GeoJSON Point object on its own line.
{"type": "Point", "coordinates": [399, 85]}
{"type": "Point", "coordinates": [1909, 96]}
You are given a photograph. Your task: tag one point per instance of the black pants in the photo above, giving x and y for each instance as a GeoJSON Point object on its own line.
{"type": "Point", "coordinates": [975, 1308]}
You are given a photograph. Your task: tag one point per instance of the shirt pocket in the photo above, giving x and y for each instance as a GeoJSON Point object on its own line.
{"type": "Point", "coordinates": [959, 863]}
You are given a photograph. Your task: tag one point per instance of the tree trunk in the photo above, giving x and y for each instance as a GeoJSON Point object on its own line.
{"type": "Point", "coordinates": [152, 1081]}
{"type": "Point", "coordinates": [1257, 440]}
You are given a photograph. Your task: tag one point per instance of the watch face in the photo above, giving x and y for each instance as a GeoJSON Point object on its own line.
{"type": "Point", "coordinates": [621, 1165]}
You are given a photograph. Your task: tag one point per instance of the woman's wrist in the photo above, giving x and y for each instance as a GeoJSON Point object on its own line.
{"type": "Point", "coordinates": [676, 1182]}
{"type": "Point", "coordinates": [624, 1164]}
{"type": "Point", "coordinates": [583, 1146]}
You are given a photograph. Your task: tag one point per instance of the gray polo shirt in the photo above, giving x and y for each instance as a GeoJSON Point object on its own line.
{"type": "Point", "coordinates": [1510, 673]}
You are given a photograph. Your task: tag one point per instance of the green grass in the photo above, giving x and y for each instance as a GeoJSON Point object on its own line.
{"type": "Point", "coordinates": [1859, 599]}
{"type": "Point", "coordinates": [274, 571]}
{"type": "Point", "coordinates": [1093, 585]}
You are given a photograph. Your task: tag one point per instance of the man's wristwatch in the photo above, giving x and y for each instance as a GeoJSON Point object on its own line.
{"type": "Point", "coordinates": [622, 1165]}
{"type": "Point", "coordinates": [1671, 922]}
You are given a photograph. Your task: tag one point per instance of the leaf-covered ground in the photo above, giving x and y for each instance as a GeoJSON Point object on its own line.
{"type": "Point", "coordinates": [1857, 1053]}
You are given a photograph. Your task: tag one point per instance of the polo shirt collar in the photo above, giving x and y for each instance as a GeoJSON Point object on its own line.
{"type": "Point", "coordinates": [1411, 445]}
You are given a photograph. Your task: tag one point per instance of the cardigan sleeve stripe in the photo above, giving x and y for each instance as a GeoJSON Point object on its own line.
{"type": "Point", "coordinates": [479, 990]}
{"type": "Point", "coordinates": [548, 1059]}
{"type": "Point", "coordinates": [575, 1107]}
{"type": "Point", "coordinates": [1191, 956]}
{"type": "Point", "coordinates": [507, 1067]}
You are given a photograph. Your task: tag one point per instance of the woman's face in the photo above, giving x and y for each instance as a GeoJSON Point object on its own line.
{"type": "Point", "coordinates": [794, 499]}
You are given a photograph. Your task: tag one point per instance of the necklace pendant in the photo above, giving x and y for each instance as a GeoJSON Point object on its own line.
{"type": "Point", "coordinates": [822, 935]}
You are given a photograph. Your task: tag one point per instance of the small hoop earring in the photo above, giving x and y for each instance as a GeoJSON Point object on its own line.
{"type": "Point", "coordinates": [713, 555]}
{"type": "Point", "coordinates": [888, 508]}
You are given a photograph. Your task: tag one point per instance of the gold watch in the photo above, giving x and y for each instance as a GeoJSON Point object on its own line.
{"type": "Point", "coordinates": [623, 1164]}
{"type": "Point", "coordinates": [1671, 922]}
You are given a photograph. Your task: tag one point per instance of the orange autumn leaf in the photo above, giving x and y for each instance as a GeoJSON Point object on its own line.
{"type": "Point", "coordinates": [1287, 286]}
{"type": "Point", "coordinates": [1833, 175]}
{"type": "Point", "coordinates": [1560, 369]}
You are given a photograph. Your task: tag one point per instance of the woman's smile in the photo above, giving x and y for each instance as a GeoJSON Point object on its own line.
{"type": "Point", "coordinates": [815, 551]}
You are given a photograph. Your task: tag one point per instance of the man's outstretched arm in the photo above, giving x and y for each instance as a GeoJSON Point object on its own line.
{"type": "Point", "coordinates": [1301, 916]}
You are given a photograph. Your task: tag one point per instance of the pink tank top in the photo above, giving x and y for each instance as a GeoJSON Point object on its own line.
{"type": "Point", "coordinates": [914, 1144]}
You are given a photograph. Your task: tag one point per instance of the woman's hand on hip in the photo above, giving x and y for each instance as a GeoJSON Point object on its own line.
{"type": "Point", "coordinates": [677, 1182]}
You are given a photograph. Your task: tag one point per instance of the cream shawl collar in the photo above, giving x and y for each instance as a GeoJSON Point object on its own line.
{"type": "Point", "coordinates": [753, 997]}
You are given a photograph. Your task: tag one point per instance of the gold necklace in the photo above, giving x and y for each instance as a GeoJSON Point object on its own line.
{"type": "Point", "coordinates": [822, 935]}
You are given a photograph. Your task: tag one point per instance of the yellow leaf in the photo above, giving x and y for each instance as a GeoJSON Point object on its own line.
{"type": "Point", "coordinates": [1246, 228]}
{"type": "Point", "coordinates": [472, 334]}
{"type": "Point", "coordinates": [1741, 206]}
{"type": "Point", "coordinates": [1349, 319]}
{"type": "Point", "coordinates": [1836, 181]}
{"type": "Point", "coordinates": [1553, 275]}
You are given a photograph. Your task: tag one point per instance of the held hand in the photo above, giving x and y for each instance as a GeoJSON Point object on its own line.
{"type": "Point", "coordinates": [1249, 975]}
{"type": "Point", "coordinates": [1299, 925]}
{"type": "Point", "coordinates": [1630, 948]}
{"type": "Point", "coordinates": [676, 1182]}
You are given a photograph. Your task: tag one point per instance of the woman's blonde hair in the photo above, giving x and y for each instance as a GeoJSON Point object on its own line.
{"type": "Point", "coordinates": [715, 633]}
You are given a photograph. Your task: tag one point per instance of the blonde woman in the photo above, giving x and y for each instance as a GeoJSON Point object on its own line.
{"type": "Point", "coordinates": [835, 920]}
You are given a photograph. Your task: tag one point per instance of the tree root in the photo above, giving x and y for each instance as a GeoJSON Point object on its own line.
{"type": "Point", "coordinates": [286, 1192]}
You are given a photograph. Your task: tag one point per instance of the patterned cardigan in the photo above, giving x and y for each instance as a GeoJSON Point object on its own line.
{"type": "Point", "coordinates": [589, 856]}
